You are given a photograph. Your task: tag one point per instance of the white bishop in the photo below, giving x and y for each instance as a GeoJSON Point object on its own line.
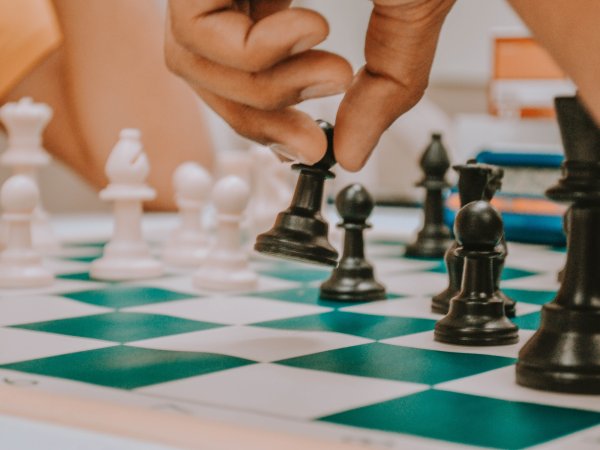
{"type": "Point", "coordinates": [127, 255]}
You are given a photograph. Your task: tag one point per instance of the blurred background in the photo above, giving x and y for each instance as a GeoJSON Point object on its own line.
{"type": "Point", "coordinates": [456, 104]}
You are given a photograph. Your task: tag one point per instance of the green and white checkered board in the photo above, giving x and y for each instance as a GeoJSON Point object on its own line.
{"type": "Point", "coordinates": [278, 357]}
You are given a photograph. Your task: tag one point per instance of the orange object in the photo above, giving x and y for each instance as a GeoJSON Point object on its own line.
{"type": "Point", "coordinates": [525, 78]}
{"type": "Point", "coordinates": [29, 31]}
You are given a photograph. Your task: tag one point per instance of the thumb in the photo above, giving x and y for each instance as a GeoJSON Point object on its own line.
{"type": "Point", "coordinates": [399, 50]}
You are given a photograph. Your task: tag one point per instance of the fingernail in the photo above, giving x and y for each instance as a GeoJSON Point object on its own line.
{"type": "Point", "coordinates": [321, 90]}
{"type": "Point", "coordinates": [306, 43]}
{"type": "Point", "coordinates": [284, 152]}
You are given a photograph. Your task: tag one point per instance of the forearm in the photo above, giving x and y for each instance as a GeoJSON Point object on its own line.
{"type": "Point", "coordinates": [569, 30]}
{"type": "Point", "coordinates": [117, 79]}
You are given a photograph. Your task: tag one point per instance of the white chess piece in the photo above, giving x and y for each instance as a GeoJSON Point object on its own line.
{"type": "Point", "coordinates": [226, 266]}
{"type": "Point", "coordinates": [25, 122]}
{"type": "Point", "coordinates": [272, 190]}
{"type": "Point", "coordinates": [188, 244]}
{"type": "Point", "coordinates": [127, 256]}
{"type": "Point", "coordinates": [20, 265]}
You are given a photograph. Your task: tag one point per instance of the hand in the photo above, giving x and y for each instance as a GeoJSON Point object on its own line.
{"type": "Point", "coordinates": [252, 60]}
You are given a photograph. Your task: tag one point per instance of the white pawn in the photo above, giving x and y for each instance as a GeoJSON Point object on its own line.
{"type": "Point", "coordinates": [226, 266]}
{"type": "Point", "coordinates": [127, 256]}
{"type": "Point", "coordinates": [20, 265]}
{"type": "Point", "coordinates": [188, 245]}
{"type": "Point", "coordinates": [272, 190]}
{"type": "Point", "coordinates": [25, 121]}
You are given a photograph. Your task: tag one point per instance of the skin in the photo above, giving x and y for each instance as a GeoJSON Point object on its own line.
{"type": "Point", "coordinates": [252, 60]}
{"type": "Point", "coordinates": [109, 75]}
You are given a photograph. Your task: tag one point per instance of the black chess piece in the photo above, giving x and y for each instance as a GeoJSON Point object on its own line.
{"type": "Point", "coordinates": [300, 232]}
{"type": "Point", "coordinates": [494, 184]}
{"type": "Point", "coordinates": [561, 273]}
{"type": "Point", "coordinates": [476, 315]}
{"type": "Point", "coordinates": [434, 238]}
{"type": "Point", "coordinates": [476, 181]}
{"type": "Point", "coordinates": [564, 353]}
{"type": "Point", "coordinates": [353, 279]}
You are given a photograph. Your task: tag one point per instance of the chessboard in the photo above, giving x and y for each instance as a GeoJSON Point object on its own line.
{"type": "Point", "coordinates": [278, 359]}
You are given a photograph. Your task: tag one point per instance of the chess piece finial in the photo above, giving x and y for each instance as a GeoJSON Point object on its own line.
{"type": "Point", "coordinates": [434, 238]}
{"type": "Point", "coordinates": [564, 353]}
{"type": "Point", "coordinates": [353, 279]}
{"type": "Point", "coordinates": [300, 232]}
{"type": "Point", "coordinates": [476, 315]}
{"type": "Point", "coordinates": [226, 267]}
{"type": "Point", "coordinates": [20, 265]}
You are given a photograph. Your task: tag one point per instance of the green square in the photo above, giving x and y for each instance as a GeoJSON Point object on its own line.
{"type": "Point", "coordinates": [508, 273]}
{"type": "Point", "coordinates": [392, 362]}
{"type": "Point", "coordinates": [528, 321]}
{"type": "Point", "coordinates": [308, 295]}
{"type": "Point", "coordinates": [84, 259]}
{"type": "Point", "coordinates": [97, 244]}
{"type": "Point", "coordinates": [365, 325]}
{"type": "Point", "coordinates": [526, 296]}
{"type": "Point", "coordinates": [119, 326]}
{"type": "Point", "coordinates": [119, 296]}
{"type": "Point", "coordinates": [469, 419]}
{"type": "Point", "coordinates": [128, 367]}
{"type": "Point", "coordinates": [81, 276]}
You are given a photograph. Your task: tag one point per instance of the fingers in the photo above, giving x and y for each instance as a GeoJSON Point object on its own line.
{"type": "Point", "coordinates": [292, 134]}
{"type": "Point", "coordinates": [399, 49]}
{"type": "Point", "coordinates": [232, 38]}
{"type": "Point", "coordinates": [308, 75]}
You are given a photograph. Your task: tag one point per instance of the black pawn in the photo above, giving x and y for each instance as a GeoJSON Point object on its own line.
{"type": "Point", "coordinates": [476, 181]}
{"type": "Point", "coordinates": [300, 232]}
{"type": "Point", "coordinates": [476, 315]}
{"type": "Point", "coordinates": [434, 238]}
{"type": "Point", "coordinates": [564, 353]}
{"type": "Point", "coordinates": [353, 279]}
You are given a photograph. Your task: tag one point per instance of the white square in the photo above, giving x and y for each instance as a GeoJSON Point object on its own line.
{"type": "Point", "coordinates": [397, 265]}
{"type": "Point", "coordinates": [284, 391]}
{"type": "Point", "coordinates": [501, 383]}
{"type": "Point", "coordinates": [543, 282]}
{"type": "Point", "coordinates": [62, 266]}
{"type": "Point", "coordinates": [59, 286]}
{"type": "Point", "coordinates": [184, 284]}
{"type": "Point", "coordinates": [230, 310]}
{"type": "Point", "coordinates": [534, 258]}
{"type": "Point", "coordinates": [254, 343]}
{"type": "Point", "coordinates": [425, 341]}
{"type": "Point", "coordinates": [24, 309]}
{"type": "Point", "coordinates": [22, 345]}
{"type": "Point", "coordinates": [415, 283]}
{"type": "Point", "coordinates": [419, 307]}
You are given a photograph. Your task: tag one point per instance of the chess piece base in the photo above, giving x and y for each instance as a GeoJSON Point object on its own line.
{"type": "Point", "coordinates": [225, 280]}
{"type": "Point", "coordinates": [476, 323]}
{"type": "Point", "coordinates": [349, 288]}
{"type": "Point", "coordinates": [564, 354]}
{"type": "Point", "coordinates": [120, 269]}
{"type": "Point", "coordinates": [184, 256]}
{"type": "Point", "coordinates": [25, 277]}
{"type": "Point", "coordinates": [299, 238]}
{"type": "Point", "coordinates": [440, 304]}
